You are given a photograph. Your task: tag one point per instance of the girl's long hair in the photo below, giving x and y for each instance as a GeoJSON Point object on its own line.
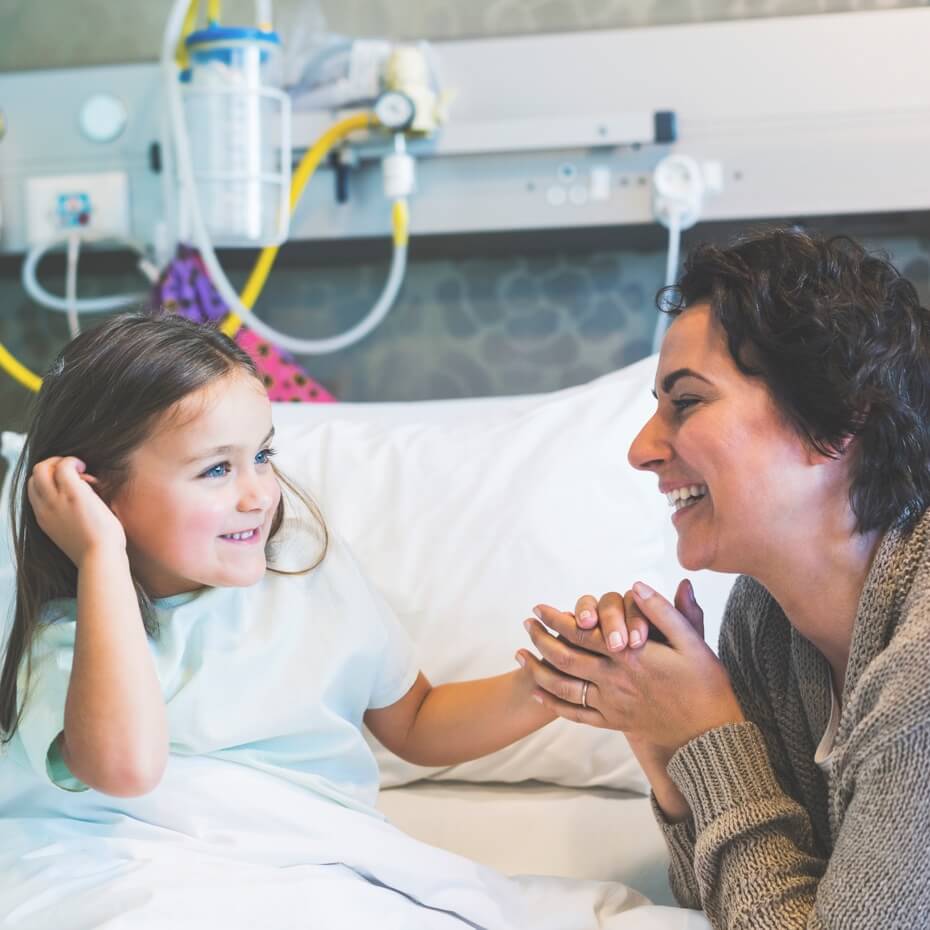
{"type": "Point", "coordinates": [99, 401]}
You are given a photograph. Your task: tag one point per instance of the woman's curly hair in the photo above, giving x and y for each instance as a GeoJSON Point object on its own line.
{"type": "Point", "coordinates": [843, 344]}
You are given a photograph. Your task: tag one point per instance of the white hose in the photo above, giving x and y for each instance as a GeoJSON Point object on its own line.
{"type": "Point", "coordinates": [87, 305]}
{"type": "Point", "coordinates": [172, 90]}
{"type": "Point", "coordinates": [74, 248]}
{"type": "Point", "coordinates": [671, 273]}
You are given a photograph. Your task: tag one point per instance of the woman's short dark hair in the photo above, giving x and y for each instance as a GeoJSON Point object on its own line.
{"type": "Point", "coordinates": [843, 344]}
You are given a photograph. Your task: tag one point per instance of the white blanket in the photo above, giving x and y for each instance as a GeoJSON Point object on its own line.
{"type": "Point", "coordinates": [218, 845]}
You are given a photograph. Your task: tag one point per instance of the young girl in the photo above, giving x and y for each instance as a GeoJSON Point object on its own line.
{"type": "Point", "coordinates": [150, 618]}
{"type": "Point", "coordinates": [214, 701]}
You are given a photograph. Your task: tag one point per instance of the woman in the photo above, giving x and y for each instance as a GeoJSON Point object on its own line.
{"type": "Point", "coordinates": [791, 776]}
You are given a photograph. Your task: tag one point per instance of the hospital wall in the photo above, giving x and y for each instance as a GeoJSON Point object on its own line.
{"type": "Point", "coordinates": [68, 33]}
{"type": "Point", "coordinates": [475, 316]}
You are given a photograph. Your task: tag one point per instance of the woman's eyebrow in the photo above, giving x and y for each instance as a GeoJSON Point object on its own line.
{"type": "Point", "coordinates": [668, 382]}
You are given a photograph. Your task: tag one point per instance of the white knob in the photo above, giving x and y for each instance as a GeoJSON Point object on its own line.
{"type": "Point", "coordinates": [103, 118]}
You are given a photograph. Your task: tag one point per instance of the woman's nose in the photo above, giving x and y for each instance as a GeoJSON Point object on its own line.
{"type": "Point", "coordinates": [649, 450]}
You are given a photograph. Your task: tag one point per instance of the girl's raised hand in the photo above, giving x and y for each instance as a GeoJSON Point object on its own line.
{"type": "Point", "coordinates": [69, 510]}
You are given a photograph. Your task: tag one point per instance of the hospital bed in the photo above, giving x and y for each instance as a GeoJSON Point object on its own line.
{"type": "Point", "coordinates": [466, 514]}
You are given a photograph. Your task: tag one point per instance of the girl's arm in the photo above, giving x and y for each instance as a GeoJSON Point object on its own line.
{"type": "Point", "coordinates": [457, 722]}
{"type": "Point", "coordinates": [115, 736]}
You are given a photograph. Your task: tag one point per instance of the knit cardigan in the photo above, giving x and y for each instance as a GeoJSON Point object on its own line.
{"type": "Point", "coordinates": [772, 841]}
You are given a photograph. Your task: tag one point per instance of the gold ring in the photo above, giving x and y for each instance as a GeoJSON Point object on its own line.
{"type": "Point", "coordinates": [584, 694]}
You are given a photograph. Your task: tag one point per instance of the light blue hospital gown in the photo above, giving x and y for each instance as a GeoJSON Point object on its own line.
{"type": "Point", "coordinates": [276, 676]}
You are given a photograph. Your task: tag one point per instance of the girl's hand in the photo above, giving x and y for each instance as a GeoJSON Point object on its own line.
{"type": "Point", "coordinates": [623, 625]}
{"type": "Point", "coordinates": [662, 694]}
{"type": "Point", "coordinates": [69, 511]}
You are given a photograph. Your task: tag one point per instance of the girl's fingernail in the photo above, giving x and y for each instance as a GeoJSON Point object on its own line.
{"type": "Point", "coordinates": [585, 615]}
{"type": "Point", "coordinates": [520, 659]}
{"type": "Point", "coordinates": [615, 640]}
{"type": "Point", "coordinates": [643, 591]}
{"type": "Point", "coordinates": [635, 638]}
{"type": "Point", "coordinates": [538, 612]}
{"type": "Point", "coordinates": [528, 625]}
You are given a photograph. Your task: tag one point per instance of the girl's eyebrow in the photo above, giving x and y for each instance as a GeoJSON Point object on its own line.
{"type": "Point", "coordinates": [668, 382]}
{"type": "Point", "coordinates": [222, 450]}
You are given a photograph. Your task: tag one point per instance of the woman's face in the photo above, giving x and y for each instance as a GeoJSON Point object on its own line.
{"type": "Point", "coordinates": [741, 482]}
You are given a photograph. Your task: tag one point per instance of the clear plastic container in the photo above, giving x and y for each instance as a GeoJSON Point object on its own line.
{"type": "Point", "coordinates": [238, 122]}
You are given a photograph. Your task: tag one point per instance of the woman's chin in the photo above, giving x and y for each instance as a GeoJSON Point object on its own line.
{"type": "Point", "coordinates": [692, 559]}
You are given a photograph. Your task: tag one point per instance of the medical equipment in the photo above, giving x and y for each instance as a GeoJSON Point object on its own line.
{"type": "Point", "coordinates": [549, 135]}
{"type": "Point", "coordinates": [679, 185]}
{"type": "Point", "coordinates": [238, 121]}
{"type": "Point", "coordinates": [399, 183]}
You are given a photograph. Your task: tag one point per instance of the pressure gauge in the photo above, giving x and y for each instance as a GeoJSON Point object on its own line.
{"type": "Point", "coordinates": [395, 110]}
{"type": "Point", "coordinates": [103, 118]}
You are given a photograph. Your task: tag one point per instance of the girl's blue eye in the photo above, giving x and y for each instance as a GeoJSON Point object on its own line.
{"type": "Point", "coordinates": [265, 456]}
{"type": "Point", "coordinates": [217, 471]}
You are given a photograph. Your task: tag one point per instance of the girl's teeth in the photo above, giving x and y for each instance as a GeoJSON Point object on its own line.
{"type": "Point", "coordinates": [246, 535]}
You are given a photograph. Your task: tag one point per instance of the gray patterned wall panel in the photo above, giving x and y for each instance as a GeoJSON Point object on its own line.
{"type": "Point", "coordinates": [471, 326]}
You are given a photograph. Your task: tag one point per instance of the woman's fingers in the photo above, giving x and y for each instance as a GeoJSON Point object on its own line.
{"type": "Point", "coordinates": [565, 687]}
{"type": "Point", "coordinates": [575, 661]}
{"type": "Point", "coordinates": [663, 616]}
{"type": "Point", "coordinates": [551, 684]}
{"type": "Point", "coordinates": [687, 605]}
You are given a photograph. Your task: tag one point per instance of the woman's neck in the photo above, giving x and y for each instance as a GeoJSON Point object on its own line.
{"type": "Point", "coordinates": [819, 585]}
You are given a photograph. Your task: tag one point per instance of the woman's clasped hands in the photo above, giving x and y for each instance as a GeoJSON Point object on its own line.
{"type": "Point", "coordinates": [635, 663]}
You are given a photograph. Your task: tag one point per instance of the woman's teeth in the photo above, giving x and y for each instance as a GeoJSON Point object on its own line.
{"type": "Point", "coordinates": [685, 497]}
{"type": "Point", "coordinates": [248, 534]}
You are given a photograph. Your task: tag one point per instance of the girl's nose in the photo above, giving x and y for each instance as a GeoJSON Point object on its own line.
{"type": "Point", "coordinates": [254, 494]}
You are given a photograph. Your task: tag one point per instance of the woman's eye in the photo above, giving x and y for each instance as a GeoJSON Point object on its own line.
{"type": "Point", "coordinates": [683, 403]}
{"type": "Point", "coordinates": [219, 470]}
{"type": "Point", "coordinates": [265, 456]}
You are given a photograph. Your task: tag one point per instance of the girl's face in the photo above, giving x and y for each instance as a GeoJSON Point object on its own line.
{"type": "Point", "coordinates": [718, 433]}
{"type": "Point", "coordinates": [201, 493]}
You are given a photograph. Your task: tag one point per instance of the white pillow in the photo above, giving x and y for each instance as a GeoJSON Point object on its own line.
{"type": "Point", "coordinates": [468, 515]}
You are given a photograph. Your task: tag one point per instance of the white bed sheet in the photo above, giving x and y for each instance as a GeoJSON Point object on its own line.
{"type": "Point", "coordinates": [539, 829]}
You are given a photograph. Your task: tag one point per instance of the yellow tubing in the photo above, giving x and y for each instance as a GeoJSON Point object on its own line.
{"type": "Point", "coordinates": [308, 164]}
{"type": "Point", "coordinates": [190, 22]}
{"type": "Point", "coordinates": [18, 371]}
{"type": "Point", "coordinates": [262, 268]}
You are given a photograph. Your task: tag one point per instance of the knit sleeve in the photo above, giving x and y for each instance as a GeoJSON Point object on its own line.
{"type": "Point", "coordinates": [752, 854]}
{"type": "Point", "coordinates": [686, 840]}
{"type": "Point", "coordinates": [756, 861]}
{"type": "Point", "coordinates": [680, 836]}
